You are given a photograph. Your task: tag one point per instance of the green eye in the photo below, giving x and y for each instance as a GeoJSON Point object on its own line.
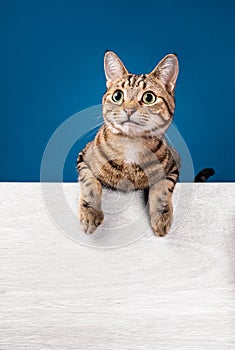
{"type": "Point", "coordinates": [149, 98]}
{"type": "Point", "coordinates": [118, 96]}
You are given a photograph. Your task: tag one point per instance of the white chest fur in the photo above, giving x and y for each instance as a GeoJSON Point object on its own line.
{"type": "Point", "coordinates": [132, 151]}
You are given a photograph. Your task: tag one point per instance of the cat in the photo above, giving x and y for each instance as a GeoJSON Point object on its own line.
{"type": "Point", "coordinates": [130, 151]}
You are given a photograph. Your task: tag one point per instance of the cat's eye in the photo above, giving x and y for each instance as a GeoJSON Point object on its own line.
{"type": "Point", "coordinates": [149, 98]}
{"type": "Point", "coordinates": [118, 96]}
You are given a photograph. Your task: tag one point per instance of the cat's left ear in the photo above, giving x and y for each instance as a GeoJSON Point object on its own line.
{"type": "Point", "coordinates": [167, 71]}
{"type": "Point", "coordinates": [113, 67]}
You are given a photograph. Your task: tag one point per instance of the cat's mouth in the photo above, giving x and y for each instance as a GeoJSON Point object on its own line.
{"type": "Point", "coordinates": [131, 128]}
{"type": "Point", "coordinates": [130, 122]}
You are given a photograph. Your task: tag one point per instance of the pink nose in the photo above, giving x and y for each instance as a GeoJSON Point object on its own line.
{"type": "Point", "coordinates": [129, 111]}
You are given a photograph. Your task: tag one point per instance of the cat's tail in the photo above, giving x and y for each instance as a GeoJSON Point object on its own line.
{"type": "Point", "coordinates": [204, 174]}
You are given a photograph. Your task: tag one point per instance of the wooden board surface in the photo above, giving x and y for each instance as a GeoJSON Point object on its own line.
{"type": "Point", "coordinates": [63, 290]}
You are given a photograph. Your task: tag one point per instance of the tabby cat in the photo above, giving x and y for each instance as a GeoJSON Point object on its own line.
{"type": "Point", "coordinates": [130, 151]}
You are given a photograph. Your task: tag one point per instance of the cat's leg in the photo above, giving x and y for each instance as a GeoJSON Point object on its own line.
{"type": "Point", "coordinates": [90, 212]}
{"type": "Point", "coordinates": [160, 204]}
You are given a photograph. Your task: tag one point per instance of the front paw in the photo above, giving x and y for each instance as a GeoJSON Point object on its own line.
{"type": "Point", "coordinates": [90, 219]}
{"type": "Point", "coordinates": [161, 223]}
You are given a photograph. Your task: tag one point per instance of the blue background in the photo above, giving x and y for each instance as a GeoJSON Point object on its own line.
{"type": "Point", "coordinates": [51, 66]}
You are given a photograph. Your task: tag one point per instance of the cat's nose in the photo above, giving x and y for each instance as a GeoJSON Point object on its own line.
{"type": "Point", "coordinates": [129, 111]}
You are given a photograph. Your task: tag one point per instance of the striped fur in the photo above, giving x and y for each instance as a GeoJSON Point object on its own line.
{"type": "Point", "coordinates": [130, 151]}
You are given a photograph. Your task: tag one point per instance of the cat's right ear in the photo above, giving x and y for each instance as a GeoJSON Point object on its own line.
{"type": "Point", "coordinates": [113, 67]}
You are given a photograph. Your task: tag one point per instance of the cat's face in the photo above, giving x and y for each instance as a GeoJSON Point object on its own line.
{"type": "Point", "coordinates": [138, 105]}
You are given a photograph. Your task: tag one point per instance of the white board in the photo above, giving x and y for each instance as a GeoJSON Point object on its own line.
{"type": "Point", "coordinates": [132, 292]}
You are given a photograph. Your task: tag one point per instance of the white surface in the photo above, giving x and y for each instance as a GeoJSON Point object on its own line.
{"type": "Point", "coordinates": [176, 292]}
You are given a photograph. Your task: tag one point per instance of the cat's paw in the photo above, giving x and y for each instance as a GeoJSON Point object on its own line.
{"type": "Point", "coordinates": [161, 224]}
{"type": "Point", "coordinates": [90, 219]}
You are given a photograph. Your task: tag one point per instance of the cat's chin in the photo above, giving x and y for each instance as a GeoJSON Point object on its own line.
{"type": "Point", "coordinates": [132, 129]}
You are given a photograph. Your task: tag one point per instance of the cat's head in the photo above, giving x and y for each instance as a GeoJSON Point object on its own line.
{"type": "Point", "coordinates": [143, 104]}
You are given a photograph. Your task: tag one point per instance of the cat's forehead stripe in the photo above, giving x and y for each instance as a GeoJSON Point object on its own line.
{"type": "Point", "coordinates": [134, 80]}
{"type": "Point", "coordinates": [131, 80]}
{"type": "Point", "coordinates": [140, 79]}
{"type": "Point", "coordinates": [126, 84]}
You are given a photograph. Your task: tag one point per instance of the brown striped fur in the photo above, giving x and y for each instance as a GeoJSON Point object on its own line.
{"type": "Point", "coordinates": [130, 151]}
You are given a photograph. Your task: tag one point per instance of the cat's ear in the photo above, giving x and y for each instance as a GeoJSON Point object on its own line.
{"type": "Point", "coordinates": [167, 71]}
{"type": "Point", "coordinates": [113, 67]}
